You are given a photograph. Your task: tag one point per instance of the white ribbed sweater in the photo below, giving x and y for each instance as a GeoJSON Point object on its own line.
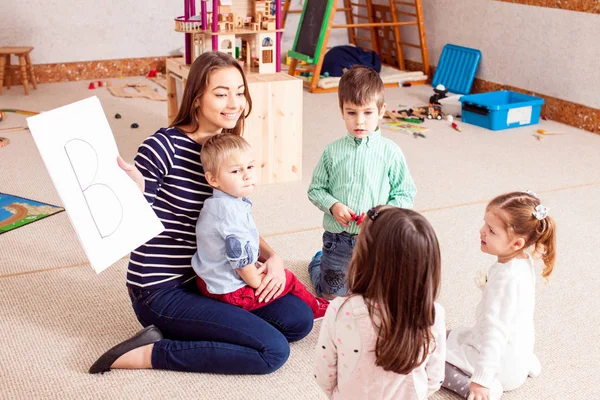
{"type": "Point", "coordinates": [500, 345]}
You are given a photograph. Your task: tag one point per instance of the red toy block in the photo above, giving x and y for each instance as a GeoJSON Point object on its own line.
{"type": "Point", "coordinates": [91, 86]}
{"type": "Point", "coordinates": [360, 219]}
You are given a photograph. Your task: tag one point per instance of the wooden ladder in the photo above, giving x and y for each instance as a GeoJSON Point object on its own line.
{"type": "Point", "coordinates": [377, 14]}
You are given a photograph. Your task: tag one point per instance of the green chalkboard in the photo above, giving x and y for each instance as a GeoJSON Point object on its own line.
{"type": "Point", "coordinates": [311, 30]}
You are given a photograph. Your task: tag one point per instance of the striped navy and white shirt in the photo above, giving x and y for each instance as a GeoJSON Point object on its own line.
{"type": "Point", "coordinates": [176, 189]}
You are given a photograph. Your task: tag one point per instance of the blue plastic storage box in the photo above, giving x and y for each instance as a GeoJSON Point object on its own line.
{"type": "Point", "coordinates": [501, 110]}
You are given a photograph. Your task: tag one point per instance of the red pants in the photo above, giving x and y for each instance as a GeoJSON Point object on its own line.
{"type": "Point", "coordinates": [246, 298]}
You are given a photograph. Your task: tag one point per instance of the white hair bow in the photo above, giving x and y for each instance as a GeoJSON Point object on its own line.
{"type": "Point", "coordinates": [540, 212]}
{"type": "Point", "coordinates": [529, 192]}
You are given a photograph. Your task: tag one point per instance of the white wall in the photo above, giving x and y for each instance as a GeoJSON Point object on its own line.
{"type": "Point", "coordinates": [550, 51]}
{"type": "Point", "coordinates": [85, 30]}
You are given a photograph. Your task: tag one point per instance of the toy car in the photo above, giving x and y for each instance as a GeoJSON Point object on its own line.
{"type": "Point", "coordinates": [434, 111]}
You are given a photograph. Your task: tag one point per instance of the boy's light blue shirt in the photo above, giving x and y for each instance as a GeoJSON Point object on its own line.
{"type": "Point", "coordinates": [227, 239]}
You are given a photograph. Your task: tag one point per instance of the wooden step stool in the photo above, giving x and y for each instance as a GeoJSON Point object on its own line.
{"type": "Point", "coordinates": [24, 64]}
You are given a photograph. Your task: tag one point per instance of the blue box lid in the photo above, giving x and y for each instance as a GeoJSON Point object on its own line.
{"type": "Point", "coordinates": [456, 68]}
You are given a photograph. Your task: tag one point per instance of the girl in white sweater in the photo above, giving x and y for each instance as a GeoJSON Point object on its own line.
{"type": "Point", "coordinates": [497, 353]}
{"type": "Point", "coordinates": [387, 340]}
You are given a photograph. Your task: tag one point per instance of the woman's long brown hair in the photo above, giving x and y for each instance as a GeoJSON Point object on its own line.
{"type": "Point", "coordinates": [396, 267]}
{"type": "Point", "coordinates": [196, 85]}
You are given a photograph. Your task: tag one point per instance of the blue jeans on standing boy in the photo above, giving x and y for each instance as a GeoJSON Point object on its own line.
{"type": "Point", "coordinates": [329, 268]}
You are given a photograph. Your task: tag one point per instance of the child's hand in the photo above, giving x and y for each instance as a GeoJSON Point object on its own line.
{"type": "Point", "coordinates": [261, 269]}
{"type": "Point", "coordinates": [342, 213]}
{"type": "Point", "coordinates": [478, 392]}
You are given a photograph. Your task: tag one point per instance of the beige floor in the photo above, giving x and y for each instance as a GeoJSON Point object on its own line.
{"type": "Point", "coordinates": [57, 315]}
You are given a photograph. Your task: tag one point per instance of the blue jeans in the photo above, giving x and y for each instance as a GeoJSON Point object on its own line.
{"type": "Point", "coordinates": [328, 269]}
{"type": "Point", "coordinates": [205, 335]}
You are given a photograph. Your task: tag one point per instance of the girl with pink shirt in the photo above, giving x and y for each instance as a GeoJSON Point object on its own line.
{"type": "Point", "coordinates": [387, 339]}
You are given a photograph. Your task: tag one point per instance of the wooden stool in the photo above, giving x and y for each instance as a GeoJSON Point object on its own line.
{"type": "Point", "coordinates": [24, 64]}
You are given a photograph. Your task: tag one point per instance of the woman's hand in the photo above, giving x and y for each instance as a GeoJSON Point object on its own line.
{"type": "Point", "coordinates": [133, 173]}
{"type": "Point", "coordinates": [478, 392]}
{"type": "Point", "coordinates": [273, 282]}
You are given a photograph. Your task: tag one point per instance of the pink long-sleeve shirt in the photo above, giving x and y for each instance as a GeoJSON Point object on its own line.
{"type": "Point", "coordinates": [345, 357]}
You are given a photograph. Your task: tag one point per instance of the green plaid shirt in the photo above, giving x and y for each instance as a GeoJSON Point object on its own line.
{"type": "Point", "coordinates": [360, 173]}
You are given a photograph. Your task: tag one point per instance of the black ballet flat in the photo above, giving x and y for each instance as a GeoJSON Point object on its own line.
{"type": "Point", "coordinates": [148, 335]}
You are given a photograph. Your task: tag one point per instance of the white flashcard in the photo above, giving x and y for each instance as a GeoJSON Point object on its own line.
{"type": "Point", "coordinates": [107, 209]}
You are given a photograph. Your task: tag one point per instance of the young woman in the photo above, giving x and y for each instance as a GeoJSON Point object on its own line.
{"type": "Point", "coordinates": [185, 331]}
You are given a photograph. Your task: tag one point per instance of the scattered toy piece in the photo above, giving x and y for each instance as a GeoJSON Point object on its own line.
{"type": "Point", "coordinates": [24, 112]}
{"type": "Point", "coordinates": [358, 218]}
{"type": "Point", "coordinates": [544, 118]}
{"type": "Point", "coordinates": [91, 86]}
{"type": "Point", "coordinates": [435, 111]}
{"type": "Point", "coordinates": [406, 84]}
{"type": "Point", "coordinates": [544, 132]}
{"type": "Point", "coordinates": [456, 127]}
{"type": "Point", "coordinates": [450, 118]}
{"type": "Point", "coordinates": [416, 135]}
{"type": "Point", "coordinates": [4, 142]}
{"type": "Point", "coordinates": [413, 120]}
{"type": "Point", "coordinates": [152, 73]}
{"type": "Point", "coordinates": [135, 125]}
{"type": "Point", "coordinates": [118, 116]}
{"type": "Point", "coordinates": [141, 90]}
{"type": "Point", "coordinates": [14, 129]}
{"type": "Point", "coordinates": [99, 83]}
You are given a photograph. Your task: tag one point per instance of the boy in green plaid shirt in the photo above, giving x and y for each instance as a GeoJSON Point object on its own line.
{"type": "Point", "coordinates": [355, 173]}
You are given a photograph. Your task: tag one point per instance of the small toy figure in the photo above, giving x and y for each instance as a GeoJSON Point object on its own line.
{"type": "Point", "coordinates": [440, 93]}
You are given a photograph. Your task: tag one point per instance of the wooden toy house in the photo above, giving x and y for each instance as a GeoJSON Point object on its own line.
{"type": "Point", "coordinates": [251, 23]}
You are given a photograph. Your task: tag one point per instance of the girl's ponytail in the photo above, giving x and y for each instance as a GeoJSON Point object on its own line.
{"type": "Point", "coordinates": [546, 245]}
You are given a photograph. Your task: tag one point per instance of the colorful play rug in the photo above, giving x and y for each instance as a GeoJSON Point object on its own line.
{"type": "Point", "coordinates": [18, 211]}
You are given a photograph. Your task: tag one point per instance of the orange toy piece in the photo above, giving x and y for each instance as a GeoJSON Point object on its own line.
{"type": "Point", "coordinates": [544, 132]}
